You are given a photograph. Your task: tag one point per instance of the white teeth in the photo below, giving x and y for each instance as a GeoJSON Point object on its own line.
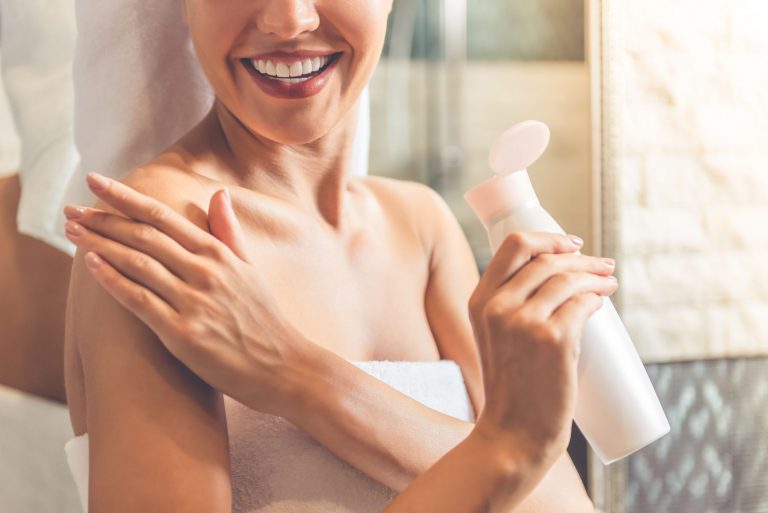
{"type": "Point", "coordinates": [292, 72]}
{"type": "Point", "coordinates": [282, 70]}
{"type": "Point", "coordinates": [295, 69]}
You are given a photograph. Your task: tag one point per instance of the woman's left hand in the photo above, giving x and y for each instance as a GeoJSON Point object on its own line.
{"type": "Point", "coordinates": [203, 298]}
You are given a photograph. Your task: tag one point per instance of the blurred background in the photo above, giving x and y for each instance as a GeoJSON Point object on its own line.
{"type": "Point", "coordinates": [659, 120]}
{"type": "Point", "coordinates": [455, 74]}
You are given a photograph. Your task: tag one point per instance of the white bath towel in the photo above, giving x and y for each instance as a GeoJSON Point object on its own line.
{"type": "Point", "coordinates": [277, 468]}
{"type": "Point", "coordinates": [38, 41]}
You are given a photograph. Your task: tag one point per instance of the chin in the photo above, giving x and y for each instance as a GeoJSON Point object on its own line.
{"type": "Point", "coordinates": [293, 132]}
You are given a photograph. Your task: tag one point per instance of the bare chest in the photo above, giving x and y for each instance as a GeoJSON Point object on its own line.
{"type": "Point", "coordinates": [369, 306]}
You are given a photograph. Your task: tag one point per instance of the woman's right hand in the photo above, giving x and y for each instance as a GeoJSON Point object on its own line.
{"type": "Point", "coordinates": [528, 312]}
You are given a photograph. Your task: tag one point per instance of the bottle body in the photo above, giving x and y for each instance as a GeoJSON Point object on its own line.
{"type": "Point", "coordinates": [617, 408]}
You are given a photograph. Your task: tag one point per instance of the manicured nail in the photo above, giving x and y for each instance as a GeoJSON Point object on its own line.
{"type": "Point", "coordinates": [73, 211]}
{"type": "Point", "coordinates": [610, 262]}
{"type": "Point", "coordinates": [97, 181]}
{"type": "Point", "coordinates": [92, 260]}
{"type": "Point", "coordinates": [73, 228]}
{"type": "Point", "coordinates": [576, 240]}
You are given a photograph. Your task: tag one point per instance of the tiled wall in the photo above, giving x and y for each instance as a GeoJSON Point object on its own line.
{"type": "Point", "coordinates": [715, 460]}
{"type": "Point", "coordinates": [687, 85]}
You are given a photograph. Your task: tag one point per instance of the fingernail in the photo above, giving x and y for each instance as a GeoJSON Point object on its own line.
{"type": "Point", "coordinates": [576, 240]}
{"type": "Point", "coordinates": [612, 278]}
{"type": "Point", "coordinates": [73, 228]}
{"type": "Point", "coordinates": [609, 261]}
{"type": "Point", "coordinates": [73, 211]}
{"type": "Point", "coordinates": [92, 260]}
{"type": "Point", "coordinates": [97, 181]}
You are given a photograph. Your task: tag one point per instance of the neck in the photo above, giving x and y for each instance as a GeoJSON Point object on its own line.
{"type": "Point", "coordinates": [313, 177]}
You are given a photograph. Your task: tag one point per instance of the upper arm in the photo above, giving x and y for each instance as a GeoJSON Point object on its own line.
{"type": "Point", "coordinates": [157, 433]}
{"type": "Point", "coordinates": [453, 276]}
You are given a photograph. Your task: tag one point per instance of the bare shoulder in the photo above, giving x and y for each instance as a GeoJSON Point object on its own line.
{"type": "Point", "coordinates": [405, 192]}
{"type": "Point", "coordinates": [183, 191]}
{"type": "Point", "coordinates": [414, 203]}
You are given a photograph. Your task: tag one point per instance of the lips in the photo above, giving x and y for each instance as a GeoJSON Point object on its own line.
{"type": "Point", "coordinates": [291, 76]}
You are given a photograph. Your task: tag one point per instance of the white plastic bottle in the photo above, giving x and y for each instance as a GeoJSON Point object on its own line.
{"type": "Point", "coordinates": [617, 408]}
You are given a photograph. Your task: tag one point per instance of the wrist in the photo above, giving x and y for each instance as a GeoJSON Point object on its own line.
{"type": "Point", "coordinates": [308, 385]}
{"type": "Point", "coordinates": [514, 473]}
{"type": "Point", "coordinates": [517, 448]}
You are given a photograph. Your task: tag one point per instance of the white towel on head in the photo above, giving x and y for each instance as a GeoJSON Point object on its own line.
{"type": "Point", "coordinates": [38, 39]}
{"type": "Point", "coordinates": [138, 85]}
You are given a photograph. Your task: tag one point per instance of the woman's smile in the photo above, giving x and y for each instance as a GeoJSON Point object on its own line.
{"type": "Point", "coordinates": [292, 75]}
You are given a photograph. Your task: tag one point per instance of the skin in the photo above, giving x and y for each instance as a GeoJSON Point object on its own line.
{"type": "Point", "coordinates": [303, 221]}
{"type": "Point", "coordinates": [34, 278]}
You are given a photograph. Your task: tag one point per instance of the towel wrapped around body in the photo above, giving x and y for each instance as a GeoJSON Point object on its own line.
{"type": "Point", "coordinates": [278, 468]}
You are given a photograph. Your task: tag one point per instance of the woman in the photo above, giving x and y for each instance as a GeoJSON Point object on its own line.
{"type": "Point", "coordinates": [305, 287]}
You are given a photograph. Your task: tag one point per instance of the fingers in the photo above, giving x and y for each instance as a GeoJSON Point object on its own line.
{"type": "Point", "coordinates": [143, 303]}
{"type": "Point", "coordinates": [224, 224]}
{"type": "Point", "coordinates": [572, 315]}
{"type": "Point", "coordinates": [135, 265]}
{"type": "Point", "coordinates": [562, 287]}
{"type": "Point", "coordinates": [150, 211]}
{"type": "Point", "coordinates": [520, 247]}
{"type": "Point", "coordinates": [139, 236]}
{"type": "Point", "coordinates": [546, 265]}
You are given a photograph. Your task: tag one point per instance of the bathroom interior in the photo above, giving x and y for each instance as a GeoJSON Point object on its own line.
{"type": "Point", "coordinates": [658, 114]}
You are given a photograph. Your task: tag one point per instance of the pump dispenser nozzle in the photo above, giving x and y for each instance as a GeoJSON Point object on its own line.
{"type": "Point", "coordinates": [510, 188]}
{"type": "Point", "coordinates": [518, 147]}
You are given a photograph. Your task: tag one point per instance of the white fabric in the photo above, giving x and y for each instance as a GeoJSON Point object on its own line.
{"type": "Point", "coordinates": [9, 140]}
{"type": "Point", "coordinates": [33, 471]}
{"type": "Point", "coordinates": [277, 468]}
{"type": "Point", "coordinates": [38, 39]}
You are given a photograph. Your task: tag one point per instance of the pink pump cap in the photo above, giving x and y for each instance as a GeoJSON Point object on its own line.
{"type": "Point", "coordinates": [515, 149]}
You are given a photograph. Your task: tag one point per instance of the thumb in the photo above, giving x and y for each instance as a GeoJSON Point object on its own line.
{"type": "Point", "coordinates": [224, 224]}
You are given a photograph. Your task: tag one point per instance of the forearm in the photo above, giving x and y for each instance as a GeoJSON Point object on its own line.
{"type": "Point", "coordinates": [394, 438]}
{"type": "Point", "coordinates": [374, 427]}
{"type": "Point", "coordinates": [473, 477]}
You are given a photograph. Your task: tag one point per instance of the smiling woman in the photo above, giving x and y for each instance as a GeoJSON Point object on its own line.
{"type": "Point", "coordinates": [280, 299]}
